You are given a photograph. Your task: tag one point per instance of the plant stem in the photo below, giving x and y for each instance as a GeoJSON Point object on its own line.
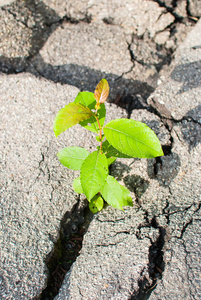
{"type": "Point", "coordinates": [100, 132]}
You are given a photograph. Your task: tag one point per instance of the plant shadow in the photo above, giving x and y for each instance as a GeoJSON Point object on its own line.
{"type": "Point", "coordinates": [135, 183]}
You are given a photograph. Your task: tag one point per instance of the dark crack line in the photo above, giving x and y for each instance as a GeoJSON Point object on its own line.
{"type": "Point", "coordinates": [167, 214]}
{"type": "Point", "coordinates": [15, 16]}
{"type": "Point", "coordinates": [189, 119]}
{"type": "Point", "coordinates": [73, 226]}
{"type": "Point", "coordinates": [156, 264]}
{"type": "Point", "coordinates": [188, 268]}
{"type": "Point", "coordinates": [170, 10]}
{"type": "Point", "coordinates": [110, 221]}
{"type": "Point", "coordinates": [189, 222]}
{"type": "Point", "coordinates": [60, 21]}
{"type": "Point", "coordinates": [192, 18]}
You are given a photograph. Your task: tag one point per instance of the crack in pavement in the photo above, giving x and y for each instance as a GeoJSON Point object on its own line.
{"type": "Point", "coordinates": [73, 226]}
{"type": "Point", "coordinates": [156, 250]}
{"type": "Point", "coordinates": [156, 264]}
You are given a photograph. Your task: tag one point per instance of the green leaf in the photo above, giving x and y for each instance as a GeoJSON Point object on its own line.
{"type": "Point", "coordinates": [133, 138]}
{"type": "Point", "coordinates": [111, 160]}
{"type": "Point", "coordinates": [94, 172]}
{"type": "Point", "coordinates": [77, 186]}
{"type": "Point", "coordinates": [126, 196]}
{"type": "Point", "coordinates": [69, 116]}
{"type": "Point", "coordinates": [88, 99]}
{"type": "Point", "coordinates": [92, 124]}
{"type": "Point", "coordinates": [96, 204]}
{"type": "Point", "coordinates": [72, 157]}
{"type": "Point", "coordinates": [115, 194]}
{"type": "Point", "coordinates": [110, 151]}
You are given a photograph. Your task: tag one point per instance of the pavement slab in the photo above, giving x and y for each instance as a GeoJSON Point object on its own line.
{"type": "Point", "coordinates": [5, 2]}
{"type": "Point", "coordinates": [180, 93]}
{"type": "Point", "coordinates": [113, 259]}
{"type": "Point", "coordinates": [26, 25]}
{"type": "Point", "coordinates": [182, 260]}
{"type": "Point", "coordinates": [15, 42]}
{"type": "Point", "coordinates": [151, 250]}
{"type": "Point", "coordinates": [103, 49]}
{"type": "Point", "coordinates": [105, 43]}
{"type": "Point", "coordinates": [166, 192]}
{"type": "Point", "coordinates": [36, 191]}
{"type": "Point", "coordinates": [33, 196]}
{"type": "Point", "coordinates": [127, 14]}
{"type": "Point", "coordinates": [195, 8]}
{"type": "Point", "coordinates": [182, 212]}
{"type": "Point", "coordinates": [109, 47]}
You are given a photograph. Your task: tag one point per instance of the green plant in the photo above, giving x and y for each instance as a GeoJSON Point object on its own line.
{"type": "Point", "coordinates": [124, 138]}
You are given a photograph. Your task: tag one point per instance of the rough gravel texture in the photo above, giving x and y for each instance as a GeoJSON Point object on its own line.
{"type": "Point", "coordinates": [166, 192]}
{"type": "Point", "coordinates": [5, 2]}
{"type": "Point", "coordinates": [113, 259]}
{"type": "Point", "coordinates": [184, 81]}
{"type": "Point", "coordinates": [36, 190]}
{"type": "Point", "coordinates": [60, 47]}
{"type": "Point", "coordinates": [127, 14]}
{"type": "Point", "coordinates": [195, 8]}
{"type": "Point", "coordinates": [181, 254]}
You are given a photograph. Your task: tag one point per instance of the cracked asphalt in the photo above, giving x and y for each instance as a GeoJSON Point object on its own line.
{"type": "Point", "coordinates": [150, 54]}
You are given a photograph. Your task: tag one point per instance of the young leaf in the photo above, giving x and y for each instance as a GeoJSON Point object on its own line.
{"type": "Point", "coordinates": [92, 124]}
{"type": "Point", "coordinates": [112, 152]}
{"type": "Point", "coordinates": [69, 116]}
{"type": "Point", "coordinates": [94, 171]}
{"type": "Point", "coordinates": [96, 204]}
{"type": "Point", "coordinates": [102, 91]}
{"type": "Point", "coordinates": [77, 186]}
{"type": "Point", "coordinates": [133, 138]}
{"type": "Point", "coordinates": [88, 99]}
{"type": "Point", "coordinates": [115, 194]}
{"type": "Point", "coordinates": [72, 157]}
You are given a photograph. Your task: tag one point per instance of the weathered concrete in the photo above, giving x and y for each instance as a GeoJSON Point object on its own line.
{"type": "Point", "coordinates": [109, 48]}
{"type": "Point", "coordinates": [182, 212]}
{"type": "Point", "coordinates": [5, 2]}
{"type": "Point", "coordinates": [167, 193]}
{"type": "Point", "coordinates": [181, 92]}
{"type": "Point", "coordinates": [26, 26]}
{"type": "Point", "coordinates": [126, 253]}
{"type": "Point", "coordinates": [182, 209]}
{"type": "Point", "coordinates": [15, 42]}
{"type": "Point", "coordinates": [103, 50]}
{"type": "Point", "coordinates": [128, 15]}
{"type": "Point", "coordinates": [195, 8]}
{"type": "Point", "coordinates": [104, 43]}
{"type": "Point", "coordinates": [113, 259]}
{"type": "Point", "coordinates": [36, 190]}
